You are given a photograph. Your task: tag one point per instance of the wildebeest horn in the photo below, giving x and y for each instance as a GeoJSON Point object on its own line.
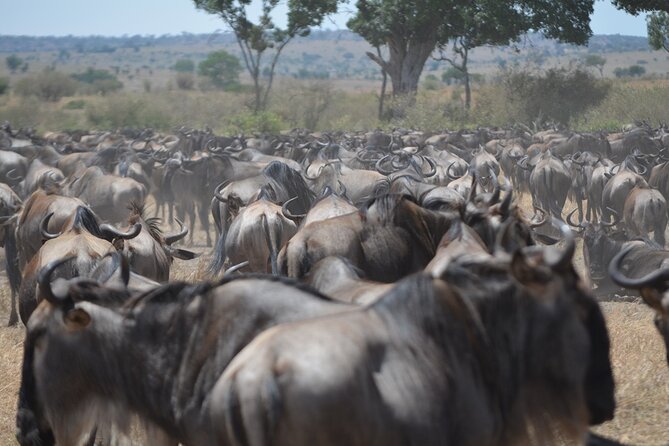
{"type": "Point", "coordinates": [564, 259]}
{"type": "Point", "coordinates": [571, 223]}
{"type": "Point", "coordinates": [616, 218]}
{"type": "Point", "coordinates": [613, 167]}
{"type": "Point", "coordinates": [44, 225]}
{"type": "Point", "coordinates": [183, 231]}
{"type": "Point", "coordinates": [450, 175]}
{"type": "Point", "coordinates": [235, 268]}
{"type": "Point", "coordinates": [575, 157]}
{"type": "Point", "coordinates": [113, 232]}
{"type": "Point", "coordinates": [288, 214]}
{"type": "Point", "coordinates": [472, 190]}
{"type": "Point", "coordinates": [653, 279]}
{"type": "Point", "coordinates": [217, 191]}
{"type": "Point", "coordinates": [522, 163]}
{"type": "Point", "coordinates": [433, 167]}
{"type": "Point", "coordinates": [506, 203]}
{"type": "Point", "coordinates": [379, 165]}
{"type": "Point", "coordinates": [12, 175]}
{"type": "Point", "coordinates": [44, 280]}
{"type": "Point", "coordinates": [542, 221]}
{"type": "Point", "coordinates": [315, 177]}
{"type": "Point", "coordinates": [643, 172]}
{"type": "Point", "coordinates": [342, 189]}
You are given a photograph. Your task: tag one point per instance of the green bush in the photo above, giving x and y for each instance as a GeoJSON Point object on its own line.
{"type": "Point", "coordinates": [49, 85]}
{"type": "Point", "coordinates": [184, 66]}
{"type": "Point", "coordinates": [4, 85]}
{"type": "Point", "coordinates": [98, 81]}
{"type": "Point", "coordinates": [559, 94]}
{"type": "Point", "coordinates": [222, 69]}
{"type": "Point", "coordinates": [185, 81]}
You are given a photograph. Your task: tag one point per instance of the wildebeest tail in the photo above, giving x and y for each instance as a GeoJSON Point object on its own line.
{"type": "Point", "coordinates": [218, 257]}
{"type": "Point", "coordinates": [272, 238]}
{"type": "Point", "coordinates": [252, 412]}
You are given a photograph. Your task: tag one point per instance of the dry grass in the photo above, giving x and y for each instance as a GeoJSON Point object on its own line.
{"type": "Point", "coordinates": [641, 373]}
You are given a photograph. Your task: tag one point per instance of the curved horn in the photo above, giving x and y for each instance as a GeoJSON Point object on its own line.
{"type": "Point", "coordinates": [649, 280]}
{"type": "Point", "coordinates": [506, 203]}
{"type": "Point", "coordinates": [112, 232]}
{"type": "Point", "coordinates": [342, 189]}
{"type": "Point", "coordinates": [543, 219]}
{"type": "Point", "coordinates": [12, 175]}
{"type": "Point", "coordinates": [183, 231]}
{"type": "Point", "coordinates": [616, 218]}
{"type": "Point", "coordinates": [379, 165]}
{"type": "Point", "coordinates": [44, 225]}
{"type": "Point", "coordinates": [571, 223]}
{"type": "Point", "coordinates": [288, 214]}
{"type": "Point", "coordinates": [433, 167]}
{"type": "Point", "coordinates": [44, 280]}
{"type": "Point", "coordinates": [235, 268]}
{"type": "Point", "coordinates": [564, 259]}
{"type": "Point", "coordinates": [306, 175]}
{"type": "Point", "coordinates": [450, 175]}
{"type": "Point", "coordinates": [643, 172]}
{"type": "Point", "coordinates": [217, 191]}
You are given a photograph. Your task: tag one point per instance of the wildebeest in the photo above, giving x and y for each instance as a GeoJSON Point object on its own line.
{"type": "Point", "coordinates": [158, 355]}
{"type": "Point", "coordinates": [652, 286]}
{"type": "Point", "coordinates": [514, 359]}
{"type": "Point", "coordinates": [85, 241]}
{"type": "Point", "coordinates": [645, 211]}
{"type": "Point", "coordinates": [10, 204]}
{"type": "Point", "coordinates": [151, 253]}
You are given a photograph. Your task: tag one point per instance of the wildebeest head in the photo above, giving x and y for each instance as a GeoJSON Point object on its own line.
{"type": "Point", "coordinates": [654, 289]}
{"type": "Point", "coordinates": [600, 244]}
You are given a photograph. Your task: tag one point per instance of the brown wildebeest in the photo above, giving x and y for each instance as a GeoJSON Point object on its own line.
{"type": "Point", "coordinates": [645, 211]}
{"type": "Point", "coordinates": [158, 355]}
{"type": "Point", "coordinates": [517, 358]}
{"type": "Point", "coordinates": [85, 241]}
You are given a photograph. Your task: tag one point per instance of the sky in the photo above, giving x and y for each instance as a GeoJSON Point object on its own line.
{"type": "Point", "coordinates": [158, 17]}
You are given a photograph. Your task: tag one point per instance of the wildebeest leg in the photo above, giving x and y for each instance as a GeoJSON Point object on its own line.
{"type": "Point", "coordinates": [13, 315]}
{"type": "Point", "coordinates": [191, 216]}
{"type": "Point", "coordinates": [203, 211]}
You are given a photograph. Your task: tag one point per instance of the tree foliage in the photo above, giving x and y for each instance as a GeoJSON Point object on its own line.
{"type": "Point", "coordinates": [184, 66]}
{"type": "Point", "coordinates": [98, 81]}
{"type": "Point", "coordinates": [49, 85]}
{"type": "Point", "coordinates": [638, 6]}
{"type": "Point", "coordinates": [560, 94]}
{"type": "Point", "coordinates": [264, 35]}
{"type": "Point", "coordinates": [221, 68]}
{"type": "Point", "coordinates": [13, 62]}
{"type": "Point", "coordinates": [658, 30]}
{"type": "Point", "coordinates": [595, 61]}
{"type": "Point", "coordinates": [411, 30]}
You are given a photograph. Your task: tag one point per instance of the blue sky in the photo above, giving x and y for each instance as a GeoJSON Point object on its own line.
{"type": "Point", "coordinates": [118, 17]}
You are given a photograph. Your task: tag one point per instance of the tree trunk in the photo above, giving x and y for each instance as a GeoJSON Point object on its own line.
{"type": "Point", "coordinates": [384, 84]}
{"type": "Point", "coordinates": [406, 62]}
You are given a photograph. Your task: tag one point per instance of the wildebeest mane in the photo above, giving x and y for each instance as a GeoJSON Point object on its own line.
{"type": "Point", "coordinates": [84, 218]}
{"type": "Point", "coordinates": [138, 212]}
{"type": "Point", "coordinates": [282, 177]}
{"type": "Point", "coordinates": [386, 205]}
{"type": "Point", "coordinates": [278, 279]}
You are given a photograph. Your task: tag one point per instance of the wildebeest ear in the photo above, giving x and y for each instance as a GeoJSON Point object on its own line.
{"type": "Point", "coordinates": [525, 271]}
{"type": "Point", "coordinates": [77, 319]}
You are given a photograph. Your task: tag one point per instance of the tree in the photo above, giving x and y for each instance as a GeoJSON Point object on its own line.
{"type": "Point", "coordinates": [595, 61]}
{"type": "Point", "coordinates": [13, 62]}
{"type": "Point", "coordinates": [255, 39]}
{"type": "Point", "coordinates": [222, 69]}
{"type": "Point", "coordinates": [184, 66]}
{"type": "Point", "coordinates": [658, 30]}
{"type": "Point", "coordinates": [635, 7]}
{"type": "Point", "coordinates": [412, 29]}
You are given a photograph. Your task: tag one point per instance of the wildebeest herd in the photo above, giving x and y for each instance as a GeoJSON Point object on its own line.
{"type": "Point", "coordinates": [365, 288]}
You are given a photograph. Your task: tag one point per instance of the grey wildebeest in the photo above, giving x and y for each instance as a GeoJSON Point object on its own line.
{"type": "Point", "coordinates": [124, 362]}
{"type": "Point", "coordinates": [432, 362]}
{"type": "Point", "coordinates": [85, 241]}
{"type": "Point", "coordinates": [653, 289]}
{"type": "Point", "coordinates": [645, 211]}
{"type": "Point", "coordinates": [10, 204]}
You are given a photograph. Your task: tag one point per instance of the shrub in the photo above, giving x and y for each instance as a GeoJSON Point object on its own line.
{"type": "Point", "coordinates": [185, 81]}
{"type": "Point", "coordinates": [559, 94]}
{"type": "Point", "coordinates": [125, 111]}
{"type": "Point", "coordinates": [4, 85]}
{"type": "Point", "coordinates": [221, 68]}
{"type": "Point", "coordinates": [98, 81]}
{"type": "Point", "coordinates": [75, 104]}
{"type": "Point", "coordinates": [49, 85]}
{"type": "Point", "coordinates": [184, 66]}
